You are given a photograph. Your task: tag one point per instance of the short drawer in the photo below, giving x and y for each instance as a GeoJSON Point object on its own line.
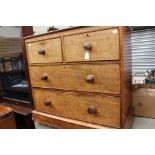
{"type": "Point", "coordinates": [90, 108]}
{"type": "Point", "coordinates": [92, 46]}
{"type": "Point", "coordinates": [87, 77]}
{"type": "Point", "coordinates": [44, 51]}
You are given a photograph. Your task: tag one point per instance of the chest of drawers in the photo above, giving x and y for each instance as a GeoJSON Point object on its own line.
{"type": "Point", "coordinates": [81, 77]}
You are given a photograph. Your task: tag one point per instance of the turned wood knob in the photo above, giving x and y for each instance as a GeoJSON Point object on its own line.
{"type": "Point", "coordinates": [87, 46]}
{"type": "Point", "coordinates": [92, 110]}
{"type": "Point", "coordinates": [90, 78]}
{"type": "Point", "coordinates": [44, 77]}
{"type": "Point", "coordinates": [47, 102]}
{"type": "Point", "coordinates": [41, 51]}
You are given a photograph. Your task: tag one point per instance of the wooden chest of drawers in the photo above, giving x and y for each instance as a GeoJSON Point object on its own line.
{"type": "Point", "coordinates": [81, 77]}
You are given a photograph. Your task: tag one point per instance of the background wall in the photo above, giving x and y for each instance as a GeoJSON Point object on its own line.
{"type": "Point", "coordinates": [143, 50]}
{"type": "Point", "coordinates": [10, 31]}
{"type": "Point", "coordinates": [10, 45]}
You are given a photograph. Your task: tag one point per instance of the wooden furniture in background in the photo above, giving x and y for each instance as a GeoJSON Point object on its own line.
{"type": "Point", "coordinates": [22, 108]}
{"type": "Point", "coordinates": [7, 119]}
{"type": "Point", "coordinates": [23, 115]}
{"type": "Point", "coordinates": [81, 77]}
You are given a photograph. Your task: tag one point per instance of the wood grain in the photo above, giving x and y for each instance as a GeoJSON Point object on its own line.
{"type": "Point", "coordinates": [109, 65]}
{"type": "Point", "coordinates": [74, 105]}
{"type": "Point", "coordinates": [8, 123]}
{"type": "Point", "coordinates": [126, 72]}
{"type": "Point", "coordinates": [23, 110]}
{"type": "Point", "coordinates": [67, 32]}
{"type": "Point", "coordinates": [105, 46]}
{"type": "Point", "coordinates": [52, 51]}
{"type": "Point", "coordinates": [4, 109]}
{"type": "Point", "coordinates": [72, 77]}
{"type": "Point", "coordinates": [64, 123]}
{"type": "Point", "coordinates": [7, 120]}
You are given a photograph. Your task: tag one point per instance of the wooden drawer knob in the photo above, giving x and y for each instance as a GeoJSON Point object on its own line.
{"type": "Point", "coordinates": [41, 51]}
{"type": "Point", "coordinates": [90, 78]}
{"type": "Point", "coordinates": [44, 77]}
{"type": "Point", "coordinates": [47, 102]}
{"type": "Point", "coordinates": [92, 110]}
{"type": "Point", "coordinates": [87, 46]}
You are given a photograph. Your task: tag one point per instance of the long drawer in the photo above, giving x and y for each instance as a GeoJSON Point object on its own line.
{"type": "Point", "coordinates": [90, 108]}
{"type": "Point", "coordinates": [87, 77]}
{"type": "Point", "coordinates": [45, 51]}
{"type": "Point", "coordinates": [92, 46]}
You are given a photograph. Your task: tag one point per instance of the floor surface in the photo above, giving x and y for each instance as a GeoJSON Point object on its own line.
{"type": "Point", "coordinates": [143, 123]}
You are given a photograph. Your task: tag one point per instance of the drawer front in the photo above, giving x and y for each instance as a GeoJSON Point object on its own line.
{"type": "Point", "coordinates": [90, 108]}
{"type": "Point", "coordinates": [87, 77]}
{"type": "Point", "coordinates": [45, 51]}
{"type": "Point", "coordinates": [99, 45]}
